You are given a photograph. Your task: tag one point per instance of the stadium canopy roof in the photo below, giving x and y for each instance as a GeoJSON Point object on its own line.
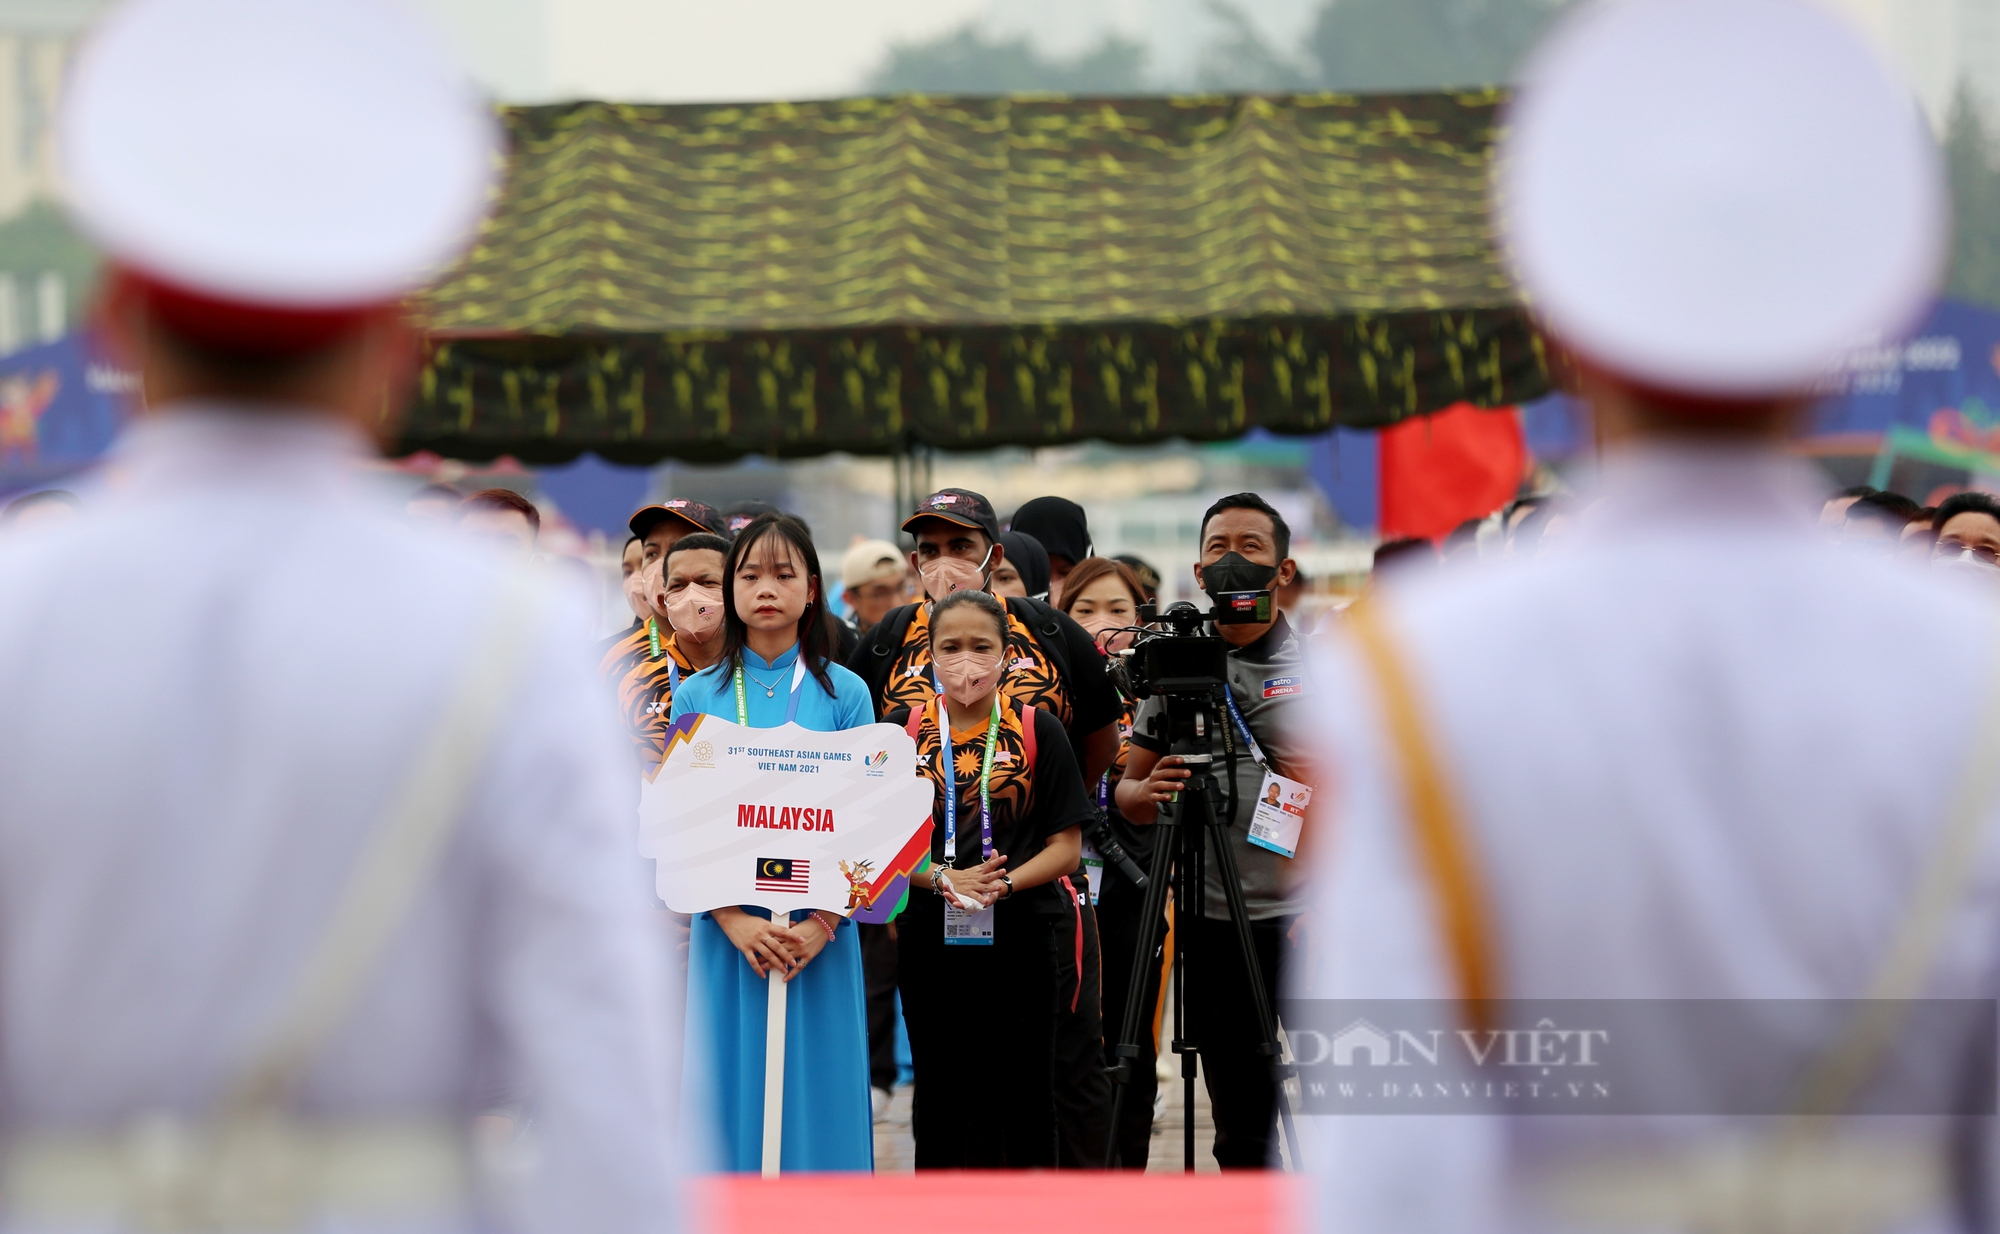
{"type": "Point", "coordinates": [703, 281]}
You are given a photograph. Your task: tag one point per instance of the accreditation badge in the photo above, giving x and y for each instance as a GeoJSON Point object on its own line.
{"type": "Point", "coordinates": [1093, 869]}
{"type": "Point", "coordinates": [963, 929]}
{"type": "Point", "coordinates": [1280, 814]}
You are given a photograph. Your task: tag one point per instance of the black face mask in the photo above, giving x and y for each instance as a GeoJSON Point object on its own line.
{"type": "Point", "coordinates": [1233, 572]}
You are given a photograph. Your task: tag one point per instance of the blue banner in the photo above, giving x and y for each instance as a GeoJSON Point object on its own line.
{"type": "Point", "coordinates": [60, 407]}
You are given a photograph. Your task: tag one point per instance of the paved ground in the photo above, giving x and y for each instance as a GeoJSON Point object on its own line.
{"type": "Point", "coordinates": [894, 1149]}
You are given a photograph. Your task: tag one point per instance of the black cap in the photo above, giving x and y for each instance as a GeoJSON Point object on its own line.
{"type": "Point", "coordinates": [961, 506]}
{"type": "Point", "coordinates": [743, 513]}
{"type": "Point", "coordinates": [1058, 523]}
{"type": "Point", "coordinates": [698, 515]}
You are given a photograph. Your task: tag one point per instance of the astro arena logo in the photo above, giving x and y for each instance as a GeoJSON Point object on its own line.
{"type": "Point", "coordinates": [874, 763]}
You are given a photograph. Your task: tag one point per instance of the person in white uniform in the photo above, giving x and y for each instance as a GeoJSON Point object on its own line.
{"type": "Point", "coordinates": [317, 836]}
{"type": "Point", "coordinates": [1695, 752]}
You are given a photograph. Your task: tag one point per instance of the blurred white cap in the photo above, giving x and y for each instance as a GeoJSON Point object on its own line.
{"type": "Point", "coordinates": [303, 155]}
{"type": "Point", "coordinates": [872, 561]}
{"type": "Point", "coordinates": [1718, 197]}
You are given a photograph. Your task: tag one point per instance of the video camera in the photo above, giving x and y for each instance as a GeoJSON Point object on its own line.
{"type": "Point", "coordinates": [1173, 656]}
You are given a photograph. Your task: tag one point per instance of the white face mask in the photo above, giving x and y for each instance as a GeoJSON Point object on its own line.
{"type": "Point", "coordinates": [1967, 564]}
{"type": "Point", "coordinates": [944, 575]}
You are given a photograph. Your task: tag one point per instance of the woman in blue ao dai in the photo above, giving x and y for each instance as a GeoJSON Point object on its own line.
{"type": "Point", "coordinates": [774, 667]}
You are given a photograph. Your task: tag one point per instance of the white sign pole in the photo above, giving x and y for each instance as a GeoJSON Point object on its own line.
{"type": "Point", "coordinates": [774, 1074]}
{"type": "Point", "coordinates": [784, 819]}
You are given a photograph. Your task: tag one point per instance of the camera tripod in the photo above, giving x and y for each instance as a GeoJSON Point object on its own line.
{"type": "Point", "coordinates": [1191, 829]}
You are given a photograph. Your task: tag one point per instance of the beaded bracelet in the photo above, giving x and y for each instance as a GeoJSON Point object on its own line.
{"type": "Point", "coordinates": [823, 924]}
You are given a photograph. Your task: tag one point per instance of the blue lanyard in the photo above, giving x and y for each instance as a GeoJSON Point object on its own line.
{"type": "Point", "coordinates": [791, 708]}
{"type": "Point", "coordinates": [950, 775]}
{"type": "Point", "coordinates": [673, 678]}
{"type": "Point", "coordinates": [1104, 791]}
{"type": "Point", "coordinates": [1249, 742]}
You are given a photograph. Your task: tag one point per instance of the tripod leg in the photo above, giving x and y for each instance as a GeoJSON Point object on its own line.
{"type": "Point", "coordinates": [1267, 1018]}
{"type": "Point", "coordinates": [1138, 1010]}
{"type": "Point", "coordinates": [1190, 1050]}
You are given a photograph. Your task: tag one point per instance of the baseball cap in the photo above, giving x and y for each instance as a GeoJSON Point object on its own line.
{"type": "Point", "coordinates": [741, 514]}
{"type": "Point", "coordinates": [698, 515]}
{"type": "Point", "coordinates": [961, 506]}
{"type": "Point", "coordinates": [872, 561]}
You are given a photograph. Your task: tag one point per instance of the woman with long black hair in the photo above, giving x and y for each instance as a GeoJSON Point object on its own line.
{"type": "Point", "coordinates": [1103, 596]}
{"type": "Point", "coordinates": [774, 668]}
{"type": "Point", "coordinates": [975, 963]}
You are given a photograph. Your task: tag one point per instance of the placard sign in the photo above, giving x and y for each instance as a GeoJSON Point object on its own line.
{"type": "Point", "coordinates": [785, 818]}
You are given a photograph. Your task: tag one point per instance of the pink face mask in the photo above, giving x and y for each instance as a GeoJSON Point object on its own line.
{"type": "Point", "coordinates": [948, 574]}
{"type": "Point", "coordinates": [696, 611]}
{"type": "Point", "coordinates": [645, 587]}
{"type": "Point", "coordinates": [635, 593]}
{"type": "Point", "coordinates": [1097, 628]}
{"type": "Point", "coordinates": [967, 675]}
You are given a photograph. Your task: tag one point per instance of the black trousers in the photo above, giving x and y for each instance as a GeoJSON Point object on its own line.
{"type": "Point", "coordinates": [1119, 909]}
{"type": "Point", "coordinates": [1082, 1091]}
{"type": "Point", "coordinates": [1241, 1090]}
{"type": "Point", "coordinates": [981, 1018]}
{"type": "Point", "coordinates": [878, 977]}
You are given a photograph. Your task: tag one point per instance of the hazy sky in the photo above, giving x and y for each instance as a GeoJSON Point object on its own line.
{"type": "Point", "coordinates": [697, 50]}
{"type": "Point", "coordinates": [730, 49]}
{"type": "Point", "coordinates": [691, 50]}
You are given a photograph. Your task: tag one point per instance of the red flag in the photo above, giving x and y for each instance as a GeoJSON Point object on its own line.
{"type": "Point", "coordinates": [1441, 469]}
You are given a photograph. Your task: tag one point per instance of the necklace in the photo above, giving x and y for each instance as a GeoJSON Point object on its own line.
{"type": "Point", "coordinates": [770, 691]}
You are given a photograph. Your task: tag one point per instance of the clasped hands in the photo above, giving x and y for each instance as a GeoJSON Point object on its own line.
{"type": "Point", "coordinates": [770, 945]}
{"type": "Point", "coordinates": [974, 887]}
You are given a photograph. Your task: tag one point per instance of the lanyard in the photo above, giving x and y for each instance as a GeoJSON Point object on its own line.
{"type": "Point", "coordinates": [950, 770]}
{"type": "Point", "coordinates": [673, 678]}
{"type": "Point", "coordinates": [791, 708]}
{"type": "Point", "coordinates": [1104, 791]}
{"type": "Point", "coordinates": [653, 636]}
{"type": "Point", "coordinates": [1249, 742]}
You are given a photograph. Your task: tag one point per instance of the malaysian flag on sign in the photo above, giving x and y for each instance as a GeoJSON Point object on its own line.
{"type": "Point", "coordinates": [783, 874]}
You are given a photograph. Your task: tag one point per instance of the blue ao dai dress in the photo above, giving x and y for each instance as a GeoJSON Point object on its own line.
{"type": "Point", "coordinates": [828, 1118]}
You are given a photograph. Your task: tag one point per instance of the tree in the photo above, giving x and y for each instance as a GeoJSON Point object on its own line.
{"type": "Point", "coordinates": [1424, 44]}
{"type": "Point", "coordinates": [1975, 204]}
{"type": "Point", "coordinates": [970, 61]}
{"type": "Point", "coordinates": [1240, 59]}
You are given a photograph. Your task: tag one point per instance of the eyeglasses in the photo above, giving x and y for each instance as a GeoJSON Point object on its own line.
{"type": "Point", "coordinates": [1950, 550]}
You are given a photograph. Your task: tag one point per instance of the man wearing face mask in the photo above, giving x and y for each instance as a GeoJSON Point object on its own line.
{"type": "Point", "coordinates": [1245, 547]}
{"type": "Point", "coordinates": [1052, 664]}
{"type": "Point", "coordinates": [1968, 536]}
{"type": "Point", "coordinates": [642, 664]}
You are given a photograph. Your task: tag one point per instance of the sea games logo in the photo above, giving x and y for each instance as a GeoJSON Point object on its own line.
{"type": "Point", "coordinates": [873, 764]}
